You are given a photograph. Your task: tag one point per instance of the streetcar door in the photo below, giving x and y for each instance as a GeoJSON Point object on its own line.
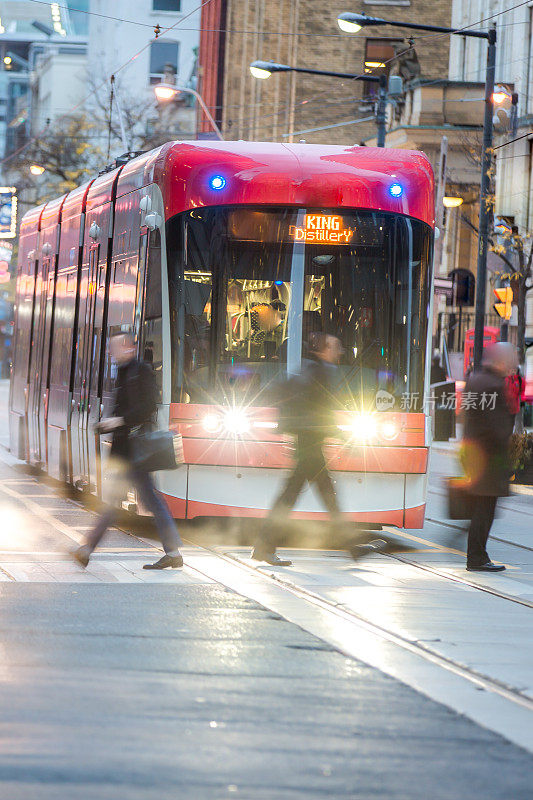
{"type": "Point", "coordinates": [80, 395]}
{"type": "Point", "coordinates": [80, 375]}
{"type": "Point", "coordinates": [93, 343]}
{"type": "Point", "coordinates": [47, 338]}
{"type": "Point", "coordinates": [36, 445]}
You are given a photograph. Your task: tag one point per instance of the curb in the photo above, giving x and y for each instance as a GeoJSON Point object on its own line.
{"type": "Point", "coordinates": [520, 488]}
{"type": "Point", "coordinates": [440, 449]}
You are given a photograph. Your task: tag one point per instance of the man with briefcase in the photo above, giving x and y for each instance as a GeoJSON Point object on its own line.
{"type": "Point", "coordinates": [134, 411]}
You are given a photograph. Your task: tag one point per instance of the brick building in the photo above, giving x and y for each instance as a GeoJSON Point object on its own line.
{"type": "Point", "coordinates": [305, 33]}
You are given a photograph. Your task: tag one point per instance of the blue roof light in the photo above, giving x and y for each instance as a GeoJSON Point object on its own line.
{"type": "Point", "coordinates": [217, 182]}
{"type": "Point", "coordinates": [396, 189]}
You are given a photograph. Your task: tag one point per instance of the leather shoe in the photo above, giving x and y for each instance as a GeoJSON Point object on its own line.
{"type": "Point", "coordinates": [488, 567]}
{"type": "Point", "coordinates": [270, 558]}
{"type": "Point", "coordinates": [166, 561]}
{"type": "Point", "coordinates": [357, 551]}
{"type": "Point", "coordinates": [82, 555]}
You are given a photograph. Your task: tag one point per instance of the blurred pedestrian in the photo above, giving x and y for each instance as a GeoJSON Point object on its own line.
{"type": "Point", "coordinates": [313, 421]}
{"type": "Point", "coordinates": [488, 428]}
{"type": "Point", "coordinates": [135, 407]}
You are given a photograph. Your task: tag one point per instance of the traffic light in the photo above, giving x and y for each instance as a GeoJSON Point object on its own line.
{"type": "Point", "coordinates": [504, 308]}
{"type": "Point", "coordinates": [505, 102]}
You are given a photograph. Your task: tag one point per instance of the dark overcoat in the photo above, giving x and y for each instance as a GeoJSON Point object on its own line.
{"type": "Point", "coordinates": [135, 401]}
{"type": "Point", "coordinates": [487, 431]}
{"type": "Point", "coordinates": [308, 401]}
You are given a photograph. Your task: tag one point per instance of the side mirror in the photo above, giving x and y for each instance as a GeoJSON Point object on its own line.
{"type": "Point", "coordinates": [153, 220]}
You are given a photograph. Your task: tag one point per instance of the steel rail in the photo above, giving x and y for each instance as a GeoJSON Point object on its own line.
{"type": "Point", "coordinates": [473, 676]}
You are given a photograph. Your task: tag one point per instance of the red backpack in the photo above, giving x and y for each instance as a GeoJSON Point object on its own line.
{"type": "Point", "coordinates": [513, 388]}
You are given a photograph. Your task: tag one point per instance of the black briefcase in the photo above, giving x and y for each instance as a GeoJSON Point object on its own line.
{"type": "Point", "coordinates": [156, 450]}
{"type": "Point", "coordinates": [460, 501]}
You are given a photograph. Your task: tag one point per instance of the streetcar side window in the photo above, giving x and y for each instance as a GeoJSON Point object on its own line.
{"type": "Point", "coordinates": [152, 335]}
{"type": "Point", "coordinates": [196, 310]}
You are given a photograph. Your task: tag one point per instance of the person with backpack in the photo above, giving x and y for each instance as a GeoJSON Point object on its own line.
{"type": "Point", "coordinates": [307, 411]}
{"type": "Point", "coordinates": [135, 407]}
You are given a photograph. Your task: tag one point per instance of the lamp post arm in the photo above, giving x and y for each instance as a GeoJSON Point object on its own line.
{"type": "Point", "coordinates": [347, 75]}
{"type": "Point", "coordinates": [381, 110]}
{"type": "Point", "coordinates": [416, 26]}
{"type": "Point", "coordinates": [205, 110]}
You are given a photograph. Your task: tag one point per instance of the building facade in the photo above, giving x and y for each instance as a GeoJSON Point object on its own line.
{"type": "Point", "coordinates": [305, 33]}
{"type": "Point", "coordinates": [514, 72]}
{"type": "Point", "coordinates": [113, 43]}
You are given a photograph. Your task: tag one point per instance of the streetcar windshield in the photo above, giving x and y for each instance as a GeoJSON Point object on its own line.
{"type": "Point", "coordinates": [249, 285]}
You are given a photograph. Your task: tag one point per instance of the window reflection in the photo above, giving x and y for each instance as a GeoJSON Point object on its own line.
{"type": "Point", "coordinates": [234, 277]}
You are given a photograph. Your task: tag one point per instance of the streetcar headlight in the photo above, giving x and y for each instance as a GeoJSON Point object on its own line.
{"type": "Point", "coordinates": [363, 427]}
{"type": "Point", "coordinates": [212, 423]}
{"type": "Point", "coordinates": [236, 421]}
{"type": "Point", "coordinates": [389, 430]}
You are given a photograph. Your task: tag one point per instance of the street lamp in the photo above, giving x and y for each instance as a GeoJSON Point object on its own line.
{"type": "Point", "coordinates": [452, 202]}
{"type": "Point", "coordinates": [264, 69]}
{"type": "Point", "coordinates": [36, 169]}
{"type": "Point", "coordinates": [165, 92]}
{"type": "Point", "coordinates": [353, 23]}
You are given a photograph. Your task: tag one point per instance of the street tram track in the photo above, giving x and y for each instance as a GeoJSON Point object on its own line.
{"type": "Point", "coordinates": [473, 676]}
{"type": "Point", "coordinates": [460, 529]}
{"type": "Point", "coordinates": [495, 538]}
{"type": "Point", "coordinates": [480, 680]}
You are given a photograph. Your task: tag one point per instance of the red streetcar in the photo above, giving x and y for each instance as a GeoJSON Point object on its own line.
{"type": "Point", "coordinates": [223, 257]}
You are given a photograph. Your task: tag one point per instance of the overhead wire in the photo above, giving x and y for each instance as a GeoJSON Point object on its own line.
{"type": "Point", "coordinates": [261, 32]}
{"type": "Point", "coordinates": [313, 98]}
{"type": "Point", "coordinates": [104, 82]}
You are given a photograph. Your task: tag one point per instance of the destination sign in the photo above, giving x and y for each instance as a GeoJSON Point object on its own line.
{"type": "Point", "coordinates": [321, 228]}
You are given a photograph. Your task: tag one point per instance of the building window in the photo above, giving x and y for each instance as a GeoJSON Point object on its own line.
{"type": "Point", "coordinates": [166, 5]}
{"type": "Point", "coordinates": [378, 55]}
{"type": "Point", "coordinates": [161, 54]}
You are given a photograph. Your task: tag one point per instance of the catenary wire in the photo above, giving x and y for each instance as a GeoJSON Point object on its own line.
{"type": "Point", "coordinates": [262, 32]}
{"type": "Point", "coordinates": [104, 82]}
{"type": "Point", "coordinates": [283, 108]}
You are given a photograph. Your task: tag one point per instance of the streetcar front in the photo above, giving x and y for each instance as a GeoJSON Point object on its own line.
{"type": "Point", "coordinates": [248, 285]}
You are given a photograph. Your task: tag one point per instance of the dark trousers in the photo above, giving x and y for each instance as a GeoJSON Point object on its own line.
{"type": "Point", "coordinates": [151, 499]}
{"type": "Point", "coordinates": [483, 512]}
{"type": "Point", "coordinates": [311, 467]}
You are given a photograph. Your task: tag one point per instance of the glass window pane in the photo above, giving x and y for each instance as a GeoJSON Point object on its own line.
{"type": "Point", "coordinates": [166, 5]}
{"type": "Point", "coordinates": [365, 280]}
{"type": "Point", "coordinates": [379, 58]}
{"type": "Point", "coordinates": [162, 53]}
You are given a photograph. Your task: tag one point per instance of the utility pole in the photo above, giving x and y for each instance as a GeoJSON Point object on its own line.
{"type": "Point", "coordinates": [485, 208]}
{"type": "Point", "coordinates": [439, 205]}
{"type": "Point", "coordinates": [381, 109]}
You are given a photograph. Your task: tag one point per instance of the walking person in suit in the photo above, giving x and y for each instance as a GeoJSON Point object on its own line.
{"type": "Point", "coordinates": [135, 405]}
{"type": "Point", "coordinates": [315, 422]}
{"type": "Point", "coordinates": [487, 431]}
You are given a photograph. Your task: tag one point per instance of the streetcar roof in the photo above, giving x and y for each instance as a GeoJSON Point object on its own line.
{"type": "Point", "coordinates": [309, 175]}
{"type": "Point", "coordinates": [264, 173]}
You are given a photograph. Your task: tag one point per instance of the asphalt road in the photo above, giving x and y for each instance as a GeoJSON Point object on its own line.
{"type": "Point", "coordinates": [127, 691]}
{"type": "Point", "coordinates": [116, 688]}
